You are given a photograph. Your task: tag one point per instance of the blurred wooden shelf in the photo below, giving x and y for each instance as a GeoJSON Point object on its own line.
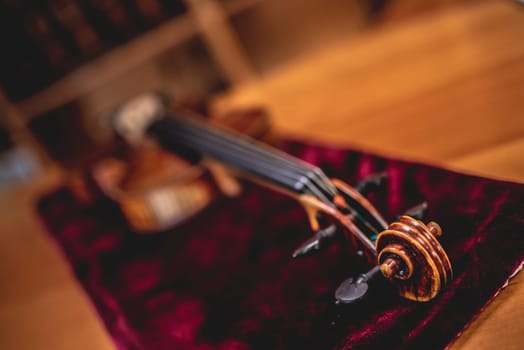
{"type": "Point", "coordinates": [125, 57]}
{"type": "Point", "coordinates": [110, 65]}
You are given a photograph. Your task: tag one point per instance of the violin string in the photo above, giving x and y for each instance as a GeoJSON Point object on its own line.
{"type": "Point", "coordinates": [307, 170]}
{"type": "Point", "coordinates": [252, 156]}
{"type": "Point", "coordinates": [200, 134]}
{"type": "Point", "coordinates": [267, 169]}
{"type": "Point", "coordinates": [312, 172]}
{"type": "Point", "coordinates": [249, 155]}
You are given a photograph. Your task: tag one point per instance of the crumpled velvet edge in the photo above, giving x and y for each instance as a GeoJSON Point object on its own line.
{"type": "Point", "coordinates": [517, 270]}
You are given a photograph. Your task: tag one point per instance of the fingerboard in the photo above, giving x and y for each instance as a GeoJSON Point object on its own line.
{"type": "Point", "coordinates": [242, 153]}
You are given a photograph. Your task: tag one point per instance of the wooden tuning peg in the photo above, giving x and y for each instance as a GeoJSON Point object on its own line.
{"type": "Point", "coordinates": [410, 256]}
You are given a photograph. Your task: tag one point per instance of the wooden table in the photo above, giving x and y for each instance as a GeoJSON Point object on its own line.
{"type": "Point", "coordinates": [446, 89]}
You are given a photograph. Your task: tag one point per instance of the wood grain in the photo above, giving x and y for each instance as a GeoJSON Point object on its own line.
{"type": "Point", "coordinates": [437, 89]}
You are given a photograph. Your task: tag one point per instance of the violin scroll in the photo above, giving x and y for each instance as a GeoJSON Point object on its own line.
{"type": "Point", "coordinates": [410, 255]}
{"type": "Point", "coordinates": [405, 252]}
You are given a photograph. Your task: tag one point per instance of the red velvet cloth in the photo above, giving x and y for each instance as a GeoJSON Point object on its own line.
{"type": "Point", "coordinates": [225, 279]}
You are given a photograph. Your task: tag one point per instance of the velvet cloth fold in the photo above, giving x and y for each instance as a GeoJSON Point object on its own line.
{"type": "Point", "coordinates": [225, 279]}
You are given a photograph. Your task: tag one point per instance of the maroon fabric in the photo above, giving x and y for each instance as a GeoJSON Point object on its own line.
{"type": "Point", "coordinates": [225, 279]}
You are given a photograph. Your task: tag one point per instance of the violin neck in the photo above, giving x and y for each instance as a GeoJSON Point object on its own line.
{"type": "Point", "coordinates": [242, 153]}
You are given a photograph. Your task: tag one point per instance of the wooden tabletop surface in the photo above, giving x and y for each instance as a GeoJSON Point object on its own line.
{"type": "Point", "coordinates": [446, 89]}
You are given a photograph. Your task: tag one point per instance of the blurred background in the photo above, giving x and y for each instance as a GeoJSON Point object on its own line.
{"type": "Point", "coordinates": [66, 63]}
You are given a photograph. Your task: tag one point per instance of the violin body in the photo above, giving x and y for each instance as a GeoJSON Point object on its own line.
{"type": "Point", "coordinates": [406, 251]}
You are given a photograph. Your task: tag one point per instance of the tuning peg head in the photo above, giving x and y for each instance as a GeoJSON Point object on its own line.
{"type": "Point", "coordinates": [315, 242]}
{"type": "Point", "coordinates": [410, 256]}
{"type": "Point", "coordinates": [352, 290]}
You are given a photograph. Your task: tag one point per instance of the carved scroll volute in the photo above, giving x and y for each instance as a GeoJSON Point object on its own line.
{"type": "Point", "coordinates": [410, 255]}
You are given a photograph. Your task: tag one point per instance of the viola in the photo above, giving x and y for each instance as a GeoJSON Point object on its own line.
{"type": "Point", "coordinates": [406, 252]}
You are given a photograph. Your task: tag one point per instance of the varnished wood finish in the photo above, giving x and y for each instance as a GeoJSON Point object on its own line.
{"type": "Point", "coordinates": [457, 76]}
{"type": "Point", "coordinates": [410, 256]}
